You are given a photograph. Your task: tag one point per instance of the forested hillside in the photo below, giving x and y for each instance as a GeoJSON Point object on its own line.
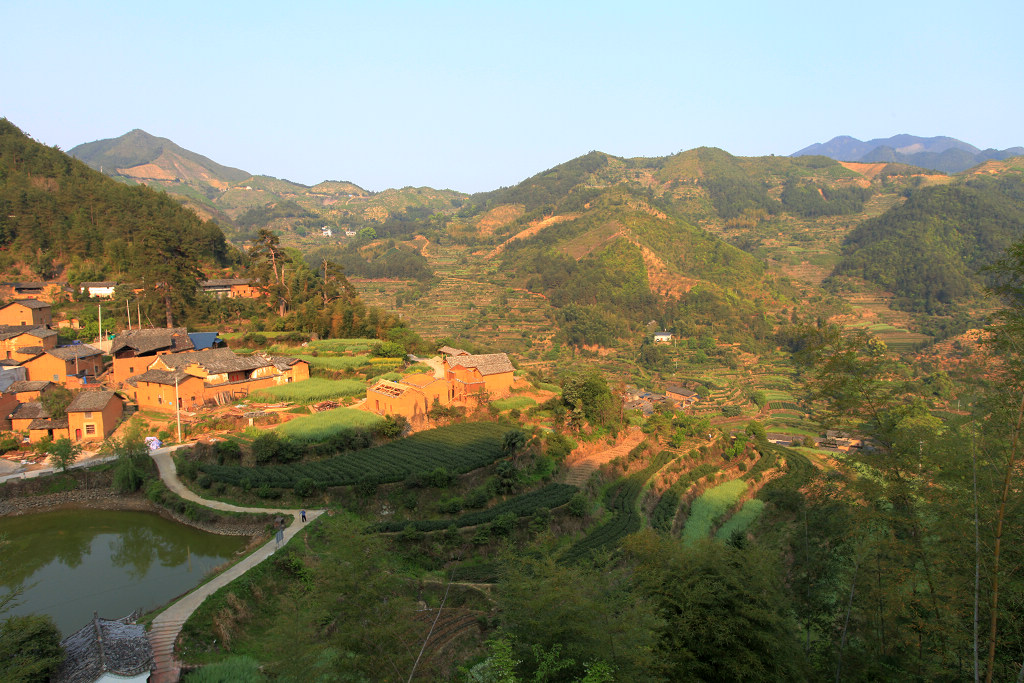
{"type": "Point", "coordinates": [932, 249]}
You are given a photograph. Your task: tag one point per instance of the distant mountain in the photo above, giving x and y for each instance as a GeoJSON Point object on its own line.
{"type": "Point", "coordinates": [944, 154]}
{"type": "Point", "coordinates": [244, 203]}
{"type": "Point", "coordinates": [142, 156]}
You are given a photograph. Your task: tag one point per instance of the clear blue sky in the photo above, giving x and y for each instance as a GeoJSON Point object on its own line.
{"type": "Point", "coordinates": [475, 95]}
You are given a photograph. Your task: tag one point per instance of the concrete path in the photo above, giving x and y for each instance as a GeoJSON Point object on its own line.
{"type": "Point", "coordinates": [86, 459]}
{"type": "Point", "coordinates": [163, 633]}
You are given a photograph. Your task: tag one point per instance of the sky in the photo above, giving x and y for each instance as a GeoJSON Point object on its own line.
{"type": "Point", "coordinates": [472, 96]}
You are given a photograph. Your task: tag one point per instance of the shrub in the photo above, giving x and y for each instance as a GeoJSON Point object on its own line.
{"type": "Point", "coordinates": [227, 451]}
{"type": "Point", "coordinates": [578, 505]}
{"type": "Point", "coordinates": [306, 487]}
{"type": "Point", "coordinates": [451, 506]}
{"type": "Point", "coordinates": [504, 524]}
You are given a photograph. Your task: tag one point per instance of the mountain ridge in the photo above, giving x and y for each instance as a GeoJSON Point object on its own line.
{"type": "Point", "coordinates": [939, 153]}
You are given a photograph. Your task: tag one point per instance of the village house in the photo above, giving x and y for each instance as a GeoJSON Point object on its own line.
{"type": "Point", "coordinates": [71, 366]}
{"type": "Point", "coordinates": [26, 391]}
{"type": "Point", "coordinates": [223, 376]}
{"type": "Point", "coordinates": [392, 398]}
{"type": "Point", "coordinates": [433, 388]}
{"type": "Point", "coordinates": [231, 288]}
{"type": "Point", "coordinates": [93, 415]}
{"type": "Point", "coordinates": [43, 291]}
{"type": "Point", "coordinates": [32, 418]}
{"type": "Point", "coordinates": [104, 651]}
{"type": "Point", "coordinates": [26, 312]}
{"type": "Point", "coordinates": [489, 374]}
{"type": "Point", "coordinates": [663, 337]}
{"type": "Point", "coordinates": [135, 350]}
{"type": "Point", "coordinates": [21, 342]}
{"type": "Point", "coordinates": [98, 290]}
{"type": "Point", "coordinates": [680, 394]}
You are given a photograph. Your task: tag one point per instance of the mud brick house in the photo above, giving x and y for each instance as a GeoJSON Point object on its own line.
{"type": "Point", "coordinates": [26, 312]}
{"type": "Point", "coordinates": [21, 342]}
{"type": "Point", "coordinates": [93, 415]}
{"type": "Point", "coordinates": [681, 395]}
{"type": "Point", "coordinates": [223, 376]}
{"type": "Point", "coordinates": [26, 391]}
{"type": "Point", "coordinates": [231, 288]}
{"type": "Point", "coordinates": [33, 419]}
{"type": "Point", "coordinates": [474, 375]}
{"type": "Point", "coordinates": [159, 390]}
{"type": "Point", "coordinates": [135, 350]}
{"type": "Point", "coordinates": [73, 366]}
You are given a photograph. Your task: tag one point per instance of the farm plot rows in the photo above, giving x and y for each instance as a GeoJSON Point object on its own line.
{"type": "Point", "coordinates": [524, 505]}
{"type": "Point", "coordinates": [311, 390]}
{"type": "Point", "coordinates": [710, 506]}
{"type": "Point", "coordinates": [457, 448]}
{"type": "Point", "coordinates": [664, 512]}
{"type": "Point", "coordinates": [621, 500]}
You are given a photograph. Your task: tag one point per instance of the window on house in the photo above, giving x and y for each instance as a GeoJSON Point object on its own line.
{"type": "Point", "coordinates": [88, 416]}
{"type": "Point", "coordinates": [55, 378]}
{"type": "Point", "coordinates": [90, 430]}
{"type": "Point", "coordinates": [160, 400]}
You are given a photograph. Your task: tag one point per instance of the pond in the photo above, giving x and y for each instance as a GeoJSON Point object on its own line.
{"type": "Point", "coordinates": [71, 563]}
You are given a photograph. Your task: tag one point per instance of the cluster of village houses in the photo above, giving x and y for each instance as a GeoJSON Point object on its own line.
{"type": "Point", "coordinates": [159, 369]}
{"type": "Point", "coordinates": [171, 370]}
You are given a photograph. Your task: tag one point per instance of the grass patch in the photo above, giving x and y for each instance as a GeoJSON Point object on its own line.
{"type": "Point", "coordinates": [311, 390]}
{"type": "Point", "coordinates": [335, 362]}
{"type": "Point", "coordinates": [711, 505]}
{"type": "Point", "coordinates": [519, 402]}
{"type": "Point", "coordinates": [322, 426]}
{"type": "Point", "coordinates": [739, 522]}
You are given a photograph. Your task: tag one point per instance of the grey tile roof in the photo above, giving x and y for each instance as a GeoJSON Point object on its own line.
{"type": "Point", "coordinates": [150, 340]}
{"type": "Point", "coordinates": [280, 362]}
{"type": "Point", "coordinates": [26, 385]}
{"type": "Point", "coordinates": [224, 282]}
{"type": "Point", "coordinates": [167, 377]}
{"type": "Point", "coordinates": [34, 350]}
{"type": "Point", "coordinates": [30, 411]}
{"type": "Point", "coordinates": [214, 361]}
{"type": "Point", "coordinates": [12, 331]}
{"type": "Point", "coordinates": [452, 351]}
{"type": "Point", "coordinates": [105, 646]}
{"type": "Point", "coordinates": [88, 401]}
{"type": "Point", "coordinates": [47, 423]}
{"type": "Point", "coordinates": [75, 351]}
{"type": "Point", "coordinates": [486, 363]}
{"type": "Point", "coordinates": [30, 303]}
{"type": "Point", "coordinates": [679, 389]}
{"type": "Point", "coordinates": [105, 283]}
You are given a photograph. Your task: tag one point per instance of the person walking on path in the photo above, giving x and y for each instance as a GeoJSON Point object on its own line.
{"type": "Point", "coordinates": [303, 515]}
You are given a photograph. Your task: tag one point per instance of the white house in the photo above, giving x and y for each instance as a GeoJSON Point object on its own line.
{"type": "Point", "coordinates": [663, 337]}
{"type": "Point", "coordinates": [98, 290]}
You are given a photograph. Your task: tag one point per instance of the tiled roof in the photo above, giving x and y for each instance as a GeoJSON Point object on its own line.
{"type": "Point", "coordinates": [30, 411]}
{"type": "Point", "coordinates": [29, 350]}
{"type": "Point", "coordinates": [280, 362]}
{"type": "Point", "coordinates": [149, 340]}
{"type": "Point", "coordinates": [679, 389]}
{"type": "Point", "coordinates": [26, 385]}
{"type": "Point", "coordinates": [106, 283]}
{"type": "Point", "coordinates": [486, 363]}
{"type": "Point", "coordinates": [88, 401]}
{"type": "Point", "coordinates": [105, 646]}
{"type": "Point", "coordinates": [224, 282]}
{"type": "Point", "coordinates": [167, 377]}
{"type": "Point", "coordinates": [75, 351]}
{"type": "Point", "coordinates": [30, 303]}
{"type": "Point", "coordinates": [12, 331]}
{"type": "Point", "coordinates": [214, 361]}
{"type": "Point", "coordinates": [452, 351]}
{"type": "Point", "coordinates": [47, 423]}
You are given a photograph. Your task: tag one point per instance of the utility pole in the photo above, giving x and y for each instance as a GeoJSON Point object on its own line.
{"type": "Point", "coordinates": [177, 405]}
{"type": "Point", "coordinates": [128, 307]}
{"type": "Point", "coordinates": [99, 309]}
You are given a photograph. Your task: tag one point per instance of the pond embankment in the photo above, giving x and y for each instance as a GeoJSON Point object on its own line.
{"type": "Point", "coordinates": [91, 489]}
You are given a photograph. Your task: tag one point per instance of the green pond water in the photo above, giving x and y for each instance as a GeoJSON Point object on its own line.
{"type": "Point", "coordinates": [71, 563]}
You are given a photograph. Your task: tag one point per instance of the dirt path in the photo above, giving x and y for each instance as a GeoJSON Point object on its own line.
{"type": "Point", "coordinates": [163, 633]}
{"type": "Point", "coordinates": [579, 472]}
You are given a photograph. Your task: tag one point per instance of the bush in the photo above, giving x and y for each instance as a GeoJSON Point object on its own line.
{"type": "Point", "coordinates": [306, 487]}
{"type": "Point", "coordinates": [227, 451]}
{"type": "Point", "coordinates": [504, 524]}
{"type": "Point", "coordinates": [578, 505]}
{"type": "Point", "coordinates": [451, 506]}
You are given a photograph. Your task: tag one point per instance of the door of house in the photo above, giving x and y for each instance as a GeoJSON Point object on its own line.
{"type": "Point", "coordinates": [78, 435]}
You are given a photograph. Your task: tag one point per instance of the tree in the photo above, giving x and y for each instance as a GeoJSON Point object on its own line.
{"type": "Point", "coordinates": [56, 400]}
{"type": "Point", "coordinates": [62, 452]}
{"type": "Point", "coordinates": [30, 650]}
{"type": "Point", "coordinates": [590, 394]}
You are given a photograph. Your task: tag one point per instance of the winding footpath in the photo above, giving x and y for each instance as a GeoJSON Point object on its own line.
{"type": "Point", "coordinates": [163, 633]}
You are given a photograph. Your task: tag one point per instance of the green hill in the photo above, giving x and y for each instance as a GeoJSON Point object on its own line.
{"type": "Point", "coordinates": [930, 249]}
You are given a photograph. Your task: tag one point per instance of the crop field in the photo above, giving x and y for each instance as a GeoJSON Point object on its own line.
{"type": "Point", "coordinates": [664, 512]}
{"type": "Point", "coordinates": [550, 496]}
{"type": "Point", "coordinates": [711, 505]}
{"type": "Point", "coordinates": [459, 449]}
{"type": "Point", "coordinates": [322, 426]}
{"type": "Point", "coordinates": [621, 500]}
{"type": "Point", "coordinates": [518, 402]}
{"type": "Point", "coordinates": [785, 405]}
{"type": "Point", "coordinates": [334, 362]}
{"type": "Point", "coordinates": [311, 390]}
